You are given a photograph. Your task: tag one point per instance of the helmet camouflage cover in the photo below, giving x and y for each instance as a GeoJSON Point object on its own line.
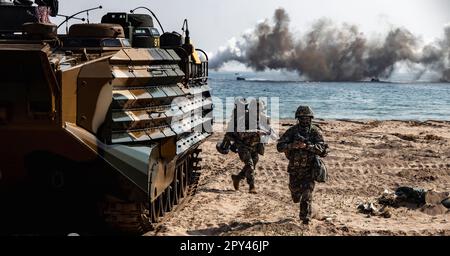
{"type": "Point", "coordinates": [304, 111]}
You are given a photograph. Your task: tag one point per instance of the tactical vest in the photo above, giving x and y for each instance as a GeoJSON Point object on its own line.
{"type": "Point", "coordinates": [301, 157]}
{"type": "Point", "coordinates": [248, 140]}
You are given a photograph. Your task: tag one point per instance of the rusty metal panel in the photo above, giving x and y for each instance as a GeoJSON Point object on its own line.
{"type": "Point", "coordinates": [157, 75]}
{"type": "Point", "coordinates": [177, 89]}
{"type": "Point", "coordinates": [157, 115]}
{"type": "Point", "coordinates": [168, 132]}
{"type": "Point", "coordinates": [121, 138]}
{"type": "Point", "coordinates": [142, 74]}
{"type": "Point", "coordinates": [169, 91]}
{"type": "Point", "coordinates": [121, 120]}
{"type": "Point", "coordinates": [150, 79]}
{"type": "Point", "coordinates": [120, 58]}
{"type": "Point", "coordinates": [140, 115]}
{"type": "Point", "coordinates": [141, 94]}
{"type": "Point", "coordinates": [156, 55]}
{"type": "Point", "coordinates": [120, 116]}
{"type": "Point", "coordinates": [123, 95]}
{"type": "Point", "coordinates": [170, 70]}
{"type": "Point", "coordinates": [139, 136]}
{"type": "Point", "coordinates": [142, 100]}
{"type": "Point", "coordinates": [156, 92]}
{"type": "Point", "coordinates": [178, 71]}
{"type": "Point", "coordinates": [186, 90]}
{"type": "Point", "coordinates": [123, 98]}
{"type": "Point", "coordinates": [164, 54]}
{"type": "Point", "coordinates": [173, 54]}
{"type": "Point", "coordinates": [156, 134]}
{"type": "Point", "coordinates": [139, 56]}
{"type": "Point", "coordinates": [122, 76]}
{"type": "Point", "coordinates": [175, 73]}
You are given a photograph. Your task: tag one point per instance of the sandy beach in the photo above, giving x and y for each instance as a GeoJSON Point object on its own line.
{"type": "Point", "coordinates": [367, 158]}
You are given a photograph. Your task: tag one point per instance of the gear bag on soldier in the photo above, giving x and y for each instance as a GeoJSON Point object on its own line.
{"type": "Point", "coordinates": [260, 148]}
{"type": "Point", "coordinates": [320, 171]}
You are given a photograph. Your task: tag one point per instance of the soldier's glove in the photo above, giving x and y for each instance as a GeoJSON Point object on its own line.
{"type": "Point", "coordinates": [298, 145]}
{"type": "Point", "coordinates": [326, 151]}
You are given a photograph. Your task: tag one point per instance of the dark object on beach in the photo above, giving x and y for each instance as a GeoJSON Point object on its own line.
{"type": "Point", "coordinates": [446, 203]}
{"type": "Point", "coordinates": [375, 80]}
{"type": "Point", "coordinates": [240, 78]}
{"type": "Point", "coordinates": [411, 195]}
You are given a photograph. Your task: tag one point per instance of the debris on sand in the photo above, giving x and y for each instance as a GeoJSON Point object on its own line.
{"type": "Point", "coordinates": [388, 199]}
{"type": "Point", "coordinates": [432, 137]}
{"type": "Point", "coordinates": [367, 208]}
{"type": "Point", "coordinates": [407, 137]}
{"type": "Point", "coordinates": [434, 198]}
{"type": "Point", "coordinates": [410, 195]}
{"type": "Point", "coordinates": [435, 203]}
{"type": "Point", "coordinates": [428, 201]}
{"type": "Point", "coordinates": [371, 210]}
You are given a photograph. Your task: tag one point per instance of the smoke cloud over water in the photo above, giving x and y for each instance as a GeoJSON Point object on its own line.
{"type": "Point", "coordinates": [328, 52]}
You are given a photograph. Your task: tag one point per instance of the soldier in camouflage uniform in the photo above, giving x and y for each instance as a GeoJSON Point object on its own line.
{"type": "Point", "coordinates": [247, 143]}
{"type": "Point", "coordinates": [301, 143]}
{"type": "Point", "coordinates": [248, 146]}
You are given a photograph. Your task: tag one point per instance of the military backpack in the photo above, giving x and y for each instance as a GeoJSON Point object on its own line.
{"type": "Point", "coordinates": [320, 171]}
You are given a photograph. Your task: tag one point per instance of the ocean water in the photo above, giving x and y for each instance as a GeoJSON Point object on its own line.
{"type": "Point", "coordinates": [336, 100]}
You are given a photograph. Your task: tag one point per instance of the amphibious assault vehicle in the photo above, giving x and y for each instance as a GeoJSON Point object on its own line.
{"type": "Point", "coordinates": [104, 120]}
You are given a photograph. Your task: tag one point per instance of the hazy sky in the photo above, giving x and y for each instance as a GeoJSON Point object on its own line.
{"type": "Point", "coordinates": [213, 22]}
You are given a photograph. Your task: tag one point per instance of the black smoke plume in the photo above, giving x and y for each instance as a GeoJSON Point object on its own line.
{"type": "Point", "coordinates": [328, 52]}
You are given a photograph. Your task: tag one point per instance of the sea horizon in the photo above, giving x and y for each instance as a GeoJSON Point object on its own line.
{"type": "Point", "coordinates": [396, 99]}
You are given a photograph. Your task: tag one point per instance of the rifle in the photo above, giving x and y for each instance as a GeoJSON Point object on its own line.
{"type": "Point", "coordinates": [304, 143]}
{"type": "Point", "coordinates": [301, 142]}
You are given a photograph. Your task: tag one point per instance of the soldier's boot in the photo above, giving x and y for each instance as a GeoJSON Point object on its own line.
{"type": "Point", "coordinates": [236, 180]}
{"type": "Point", "coordinates": [305, 211]}
{"type": "Point", "coordinates": [252, 189]}
{"type": "Point", "coordinates": [305, 221]}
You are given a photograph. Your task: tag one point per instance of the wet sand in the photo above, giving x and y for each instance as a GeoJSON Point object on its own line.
{"type": "Point", "coordinates": [367, 158]}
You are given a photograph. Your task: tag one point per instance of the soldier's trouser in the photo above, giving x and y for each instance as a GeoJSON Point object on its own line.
{"type": "Point", "coordinates": [301, 185]}
{"type": "Point", "coordinates": [250, 160]}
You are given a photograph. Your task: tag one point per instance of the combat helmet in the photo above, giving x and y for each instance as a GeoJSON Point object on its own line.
{"type": "Point", "coordinates": [304, 111]}
{"type": "Point", "coordinates": [223, 147]}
